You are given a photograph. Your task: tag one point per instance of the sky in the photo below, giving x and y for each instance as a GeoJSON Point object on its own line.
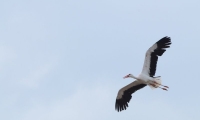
{"type": "Point", "coordinates": [66, 59]}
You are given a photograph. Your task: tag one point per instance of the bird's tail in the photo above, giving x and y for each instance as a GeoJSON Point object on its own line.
{"type": "Point", "coordinates": [158, 81]}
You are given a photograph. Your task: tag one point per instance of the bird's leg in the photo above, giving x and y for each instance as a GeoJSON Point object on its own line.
{"type": "Point", "coordinates": [153, 85]}
{"type": "Point", "coordinates": [160, 84]}
{"type": "Point", "coordinates": [162, 88]}
{"type": "Point", "coordinates": [158, 87]}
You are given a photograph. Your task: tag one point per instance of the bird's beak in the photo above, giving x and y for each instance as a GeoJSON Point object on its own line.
{"type": "Point", "coordinates": [126, 76]}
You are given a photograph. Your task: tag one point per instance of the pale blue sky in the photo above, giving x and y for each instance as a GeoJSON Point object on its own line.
{"type": "Point", "coordinates": [65, 59]}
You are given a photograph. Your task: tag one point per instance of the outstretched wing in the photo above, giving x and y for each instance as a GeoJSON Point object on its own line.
{"type": "Point", "coordinates": [124, 94]}
{"type": "Point", "coordinates": [152, 54]}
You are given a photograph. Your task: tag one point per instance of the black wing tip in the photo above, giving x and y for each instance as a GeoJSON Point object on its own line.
{"type": "Point", "coordinates": [163, 43]}
{"type": "Point", "coordinates": [121, 105]}
{"type": "Point", "coordinates": [165, 40]}
{"type": "Point", "coordinates": [167, 37]}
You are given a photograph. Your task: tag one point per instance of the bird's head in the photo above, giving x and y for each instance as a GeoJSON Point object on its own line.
{"type": "Point", "coordinates": [128, 76]}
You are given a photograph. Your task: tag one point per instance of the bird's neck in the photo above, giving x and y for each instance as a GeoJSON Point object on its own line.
{"type": "Point", "coordinates": [133, 77]}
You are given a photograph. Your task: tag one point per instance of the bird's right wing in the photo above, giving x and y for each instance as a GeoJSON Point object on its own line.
{"type": "Point", "coordinates": [124, 94]}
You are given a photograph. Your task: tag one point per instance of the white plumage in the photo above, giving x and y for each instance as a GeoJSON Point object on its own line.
{"type": "Point", "coordinates": [147, 75]}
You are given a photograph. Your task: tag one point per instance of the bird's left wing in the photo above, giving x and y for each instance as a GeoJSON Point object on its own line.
{"type": "Point", "coordinates": [152, 54]}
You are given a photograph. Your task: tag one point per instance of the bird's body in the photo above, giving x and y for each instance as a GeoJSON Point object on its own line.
{"type": "Point", "coordinates": [146, 77]}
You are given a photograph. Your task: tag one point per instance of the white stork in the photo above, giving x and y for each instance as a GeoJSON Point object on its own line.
{"type": "Point", "coordinates": [146, 77]}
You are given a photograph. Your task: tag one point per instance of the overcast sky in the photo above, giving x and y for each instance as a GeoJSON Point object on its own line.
{"type": "Point", "coordinates": [66, 59]}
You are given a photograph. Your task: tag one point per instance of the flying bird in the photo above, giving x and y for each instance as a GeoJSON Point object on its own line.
{"type": "Point", "coordinates": [146, 77]}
